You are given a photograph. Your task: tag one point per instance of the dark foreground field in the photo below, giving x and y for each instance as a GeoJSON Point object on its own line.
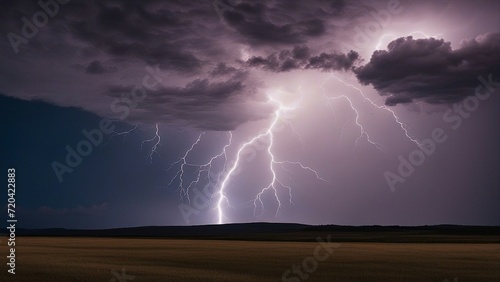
{"type": "Point", "coordinates": [93, 259]}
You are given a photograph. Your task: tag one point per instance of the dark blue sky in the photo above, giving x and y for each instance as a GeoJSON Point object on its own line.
{"type": "Point", "coordinates": [116, 184]}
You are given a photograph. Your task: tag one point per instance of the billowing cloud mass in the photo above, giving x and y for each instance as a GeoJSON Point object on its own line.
{"type": "Point", "coordinates": [299, 58]}
{"type": "Point", "coordinates": [200, 104]}
{"type": "Point", "coordinates": [430, 70]}
{"type": "Point", "coordinates": [286, 22]}
{"type": "Point", "coordinates": [106, 45]}
{"type": "Point", "coordinates": [212, 54]}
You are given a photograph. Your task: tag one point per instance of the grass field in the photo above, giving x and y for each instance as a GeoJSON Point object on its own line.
{"type": "Point", "coordinates": [93, 259]}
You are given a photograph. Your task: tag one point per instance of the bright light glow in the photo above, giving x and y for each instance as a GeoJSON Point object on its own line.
{"type": "Point", "coordinates": [381, 45]}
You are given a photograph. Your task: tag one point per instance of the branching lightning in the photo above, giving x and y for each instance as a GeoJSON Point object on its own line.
{"type": "Point", "coordinates": [275, 181]}
{"type": "Point", "coordinates": [204, 171]}
{"type": "Point", "coordinates": [125, 133]}
{"type": "Point", "coordinates": [155, 145]}
{"type": "Point", "coordinates": [180, 172]}
{"type": "Point", "coordinates": [403, 126]}
{"type": "Point", "coordinates": [221, 175]}
{"type": "Point", "coordinates": [190, 174]}
{"type": "Point", "coordinates": [362, 130]}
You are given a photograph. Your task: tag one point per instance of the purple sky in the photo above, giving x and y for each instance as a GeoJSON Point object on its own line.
{"type": "Point", "coordinates": [341, 93]}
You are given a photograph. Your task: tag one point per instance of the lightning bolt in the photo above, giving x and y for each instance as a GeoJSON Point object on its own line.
{"type": "Point", "coordinates": [362, 130]}
{"type": "Point", "coordinates": [155, 145]}
{"type": "Point", "coordinates": [274, 182]}
{"type": "Point", "coordinates": [180, 172]}
{"type": "Point", "coordinates": [125, 133]}
{"type": "Point", "coordinates": [204, 171]}
{"type": "Point", "coordinates": [207, 168]}
{"type": "Point", "coordinates": [220, 175]}
{"type": "Point", "coordinates": [403, 126]}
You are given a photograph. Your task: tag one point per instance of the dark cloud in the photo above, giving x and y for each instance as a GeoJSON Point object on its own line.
{"type": "Point", "coordinates": [131, 32]}
{"type": "Point", "coordinates": [301, 52]}
{"type": "Point", "coordinates": [261, 31]}
{"type": "Point", "coordinates": [223, 69]}
{"type": "Point", "coordinates": [95, 67]}
{"type": "Point", "coordinates": [200, 104]}
{"type": "Point", "coordinates": [333, 61]}
{"type": "Point", "coordinates": [430, 70]}
{"type": "Point", "coordinates": [284, 22]}
{"type": "Point", "coordinates": [155, 32]}
{"type": "Point", "coordinates": [186, 38]}
{"type": "Point", "coordinates": [176, 35]}
{"type": "Point", "coordinates": [299, 58]}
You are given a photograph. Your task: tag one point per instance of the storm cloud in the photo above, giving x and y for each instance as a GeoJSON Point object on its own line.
{"type": "Point", "coordinates": [299, 58]}
{"type": "Point", "coordinates": [200, 104]}
{"type": "Point", "coordinates": [430, 70]}
{"type": "Point", "coordinates": [106, 45]}
{"type": "Point", "coordinates": [219, 50]}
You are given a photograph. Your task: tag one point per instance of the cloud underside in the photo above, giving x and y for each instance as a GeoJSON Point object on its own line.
{"type": "Point", "coordinates": [300, 58]}
{"type": "Point", "coordinates": [201, 104]}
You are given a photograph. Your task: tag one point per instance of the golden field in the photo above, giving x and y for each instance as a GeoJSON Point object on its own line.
{"type": "Point", "coordinates": [92, 259]}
